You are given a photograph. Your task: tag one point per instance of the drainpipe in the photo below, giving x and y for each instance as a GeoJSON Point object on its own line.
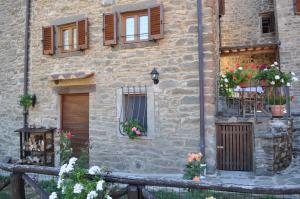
{"type": "Point", "coordinates": [201, 77]}
{"type": "Point", "coordinates": [26, 58]}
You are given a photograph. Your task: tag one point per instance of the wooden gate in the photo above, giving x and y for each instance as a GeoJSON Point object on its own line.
{"type": "Point", "coordinates": [234, 147]}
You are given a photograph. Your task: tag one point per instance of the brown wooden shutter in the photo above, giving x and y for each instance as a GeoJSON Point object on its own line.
{"type": "Point", "coordinates": [82, 28]}
{"type": "Point", "coordinates": [222, 7]}
{"type": "Point", "coordinates": [297, 7]}
{"type": "Point", "coordinates": [48, 40]}
{"type": "Point", "coordinates": [109, 29]}
{"type": "Point", "coordinates": [156, 22]}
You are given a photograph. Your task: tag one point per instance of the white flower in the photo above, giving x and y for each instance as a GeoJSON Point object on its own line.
{"type": "Point", "coordinates": [60, 182]}
{"type": "Point", "coordinates": [272, 83]}
{"type": "Point", "coordinates": [240, 68]}
{"type": "Point", "coordinates": [272, 65]}
{"type": "Point", "coordinates": [63, 190]}
{"type": "Point", "coordinates": [69, 168]}
{"type": "Point", "coordinates": [226, 80]}
{"type": "Point", "coordinates": [72, 160]}
{"type": "Point", "coordinates": [276, 63]}
{"type": "Point", "coordinates": [295, 79]}
{"type": "Point", "coordinates": [277, 77]}
{"type": "Point", "coordinates": [238, 88]}
{"type": "Point", "coordinates": [223, 76]}
{"type": "Point", "coordinates": [288, 84]}
{"type": "Point", "coordinates": [108, 197]}
{"type": "Point", "coordinates": [62, 169]}
{"type": "Point", "coordinates": [293, 73]}
{"type": "Point", "coordinates": [77, 188]}
{"type": "Point", "coordinates": [100, 185]}
{"type": "Point", "coordinates": [53, 195]}
{"type": "Point", "coordinates": [94, 170]}
{"type": "Point", "coordinates": [91, 195]}
{"type": "Point", "coordinates": [265, 69]}
{"type": "Point", "coordinates": [282, 80]}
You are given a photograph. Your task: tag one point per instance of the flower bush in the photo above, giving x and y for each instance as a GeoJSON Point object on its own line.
{"type": "Point", "coordinates": [74, 183]}
{"type": "Point", "coordinates": [133, 128]}
{"type": "Point", "coordinates": [275, 77]}
{"type": "Point", "coordinates": [65, 151]}
{"type": "Point", "coordinates": [193, 167]}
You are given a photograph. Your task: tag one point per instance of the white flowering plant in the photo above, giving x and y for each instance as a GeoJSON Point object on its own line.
{"type": "Point", "coordinates": [274, 76]}
{"type": "Point", "coordinates": [75, 183]}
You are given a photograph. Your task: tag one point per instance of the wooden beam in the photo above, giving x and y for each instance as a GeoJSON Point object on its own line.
{"type": "Point", "coordinates": [35, 187]}
{"type": "Point", "coordinates": [17, 186]}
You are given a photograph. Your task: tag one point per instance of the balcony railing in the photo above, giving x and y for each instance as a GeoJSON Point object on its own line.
{"type": "Point", "coordinates": [253, 100]}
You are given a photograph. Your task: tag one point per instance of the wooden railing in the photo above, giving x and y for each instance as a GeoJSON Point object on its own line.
{"type": "Point", "coordinates": [136, 186]}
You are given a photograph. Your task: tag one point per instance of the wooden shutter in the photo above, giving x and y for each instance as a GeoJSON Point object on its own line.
{"type": "Point", "coordinates": [82, 28]}
{"type": "Point", "coordinates": [109, 29]}
{"type": "Point", "coordinates": [48, 40]}
{"type": "Point", "coordinates": [221, 7]}
{"type": "Point", "coordinates": [156, 22]}
{"type": "Point", "coordinates": [297, 7]}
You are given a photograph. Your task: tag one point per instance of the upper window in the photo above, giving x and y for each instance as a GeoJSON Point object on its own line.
{"type": "Point", "coordinates": [68, 39]}
{"type": "Point", "coordinates": [135, 26]}
{"type": "Point", "coordinates": [268, 23]}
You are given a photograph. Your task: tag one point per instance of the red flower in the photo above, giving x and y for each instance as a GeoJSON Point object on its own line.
{"type": "Point", "coordinates": [68, 135]}
{"type": "Point", "coordinates": [234, 78]}
{"type": "Point", "coordinates": [231, 70]}
{"type": "Point", "coordinates": [246, 66]}
{"type": "Point", "coordinates": [253, 66]}
{"type": "Point", "coordinates": [249, 75]}
{"type": "Point", "coordinates": [237, 65]}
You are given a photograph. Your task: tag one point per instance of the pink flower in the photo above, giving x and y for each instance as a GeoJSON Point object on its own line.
{"type": "Point", "coordinates": [134, 129]}
{"type": "Point", "coordinates": [138, 132]}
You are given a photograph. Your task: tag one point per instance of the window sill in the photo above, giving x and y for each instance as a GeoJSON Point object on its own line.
{"type": "Point", "coordinates": [138, 138]}
{"type": "Point", "coordinates": [268, 34]}
{"type": "Point", "coordinates": [140, 44]}
{"type": "Point", "coordinates": [69, 54]}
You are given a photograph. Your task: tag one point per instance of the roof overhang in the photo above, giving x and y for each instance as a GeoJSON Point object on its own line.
{"type": "Point", "coordinates": [261, 48]}
{"type": "Point", "coordinates": [70, 76]}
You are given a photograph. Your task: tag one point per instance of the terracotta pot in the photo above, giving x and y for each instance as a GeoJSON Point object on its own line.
{"type": "Point", "coordinates": [277, 110]}
{"type": "Point", "coordinates": [264, 83]}
{"type": "Point", "coordinates": [247, 84]}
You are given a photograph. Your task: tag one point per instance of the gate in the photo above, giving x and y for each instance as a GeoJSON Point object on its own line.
{"type": "Point", "coordinates": [234, 146]}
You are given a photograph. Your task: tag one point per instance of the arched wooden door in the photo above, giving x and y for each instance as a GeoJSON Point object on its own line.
{"type": "Point", "coordinates": [75, 118]}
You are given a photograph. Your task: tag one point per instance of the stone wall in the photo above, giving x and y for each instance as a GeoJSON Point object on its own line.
{"type": "Point", "coordinates": [241, 24]}
{"type": "Point", "coordinates": [273, 146]}
{"type": "Point", "coordinates": [289, 31]}
{"type": "Point", "coordinates": [11, 74]}
{"type": "Point", "coordinates": [176, 97]}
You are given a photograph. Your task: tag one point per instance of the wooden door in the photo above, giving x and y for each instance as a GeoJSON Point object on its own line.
{"type": "Point", "coordinates": [234, 147]}
{"type": "Point", "coordinates": [75, 118]}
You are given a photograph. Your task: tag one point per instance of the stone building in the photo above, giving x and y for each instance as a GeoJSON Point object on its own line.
{"type": "Point", "coordinates": [91, 60]}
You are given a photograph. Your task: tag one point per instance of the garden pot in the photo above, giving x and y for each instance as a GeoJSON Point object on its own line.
{"type": "Point", "coordinates": [277, 110]}
{"type": "Point", "coordinates": [263, 83]}
{"type": "Point", "coordinates": [247, 84]}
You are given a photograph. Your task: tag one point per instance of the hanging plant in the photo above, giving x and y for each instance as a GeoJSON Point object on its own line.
{"type": "Point", "coordinates": [133, 128]}
{"type": "Point", "coordinates": [27, 100]}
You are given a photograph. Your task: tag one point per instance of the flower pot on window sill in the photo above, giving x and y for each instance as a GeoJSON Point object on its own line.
{"type": "Point", "coordinates": [277, 110]}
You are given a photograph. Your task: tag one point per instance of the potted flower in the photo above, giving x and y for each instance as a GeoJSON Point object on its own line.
{"type": "Point", "coordinates": [272, 75]}
{"type": "Point", "coordinates": [240, 75]}
{"type": "Point", "coordinates": [194, 167]}
{"type": "Point", "coordinates": [133, 128]}
{"type": "Point", "coordinates": [277, 104]}
{"type": "Point", "coordinates": [27, 100]}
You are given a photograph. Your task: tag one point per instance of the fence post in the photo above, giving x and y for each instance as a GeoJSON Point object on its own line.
{"type": "Point", "coordinates": [134, 192]}
{"type": "Point", "coordinates": [17, 186]}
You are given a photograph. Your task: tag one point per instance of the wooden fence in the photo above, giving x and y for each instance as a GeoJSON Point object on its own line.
{"type": "Point", "coordinates": [136, 187]}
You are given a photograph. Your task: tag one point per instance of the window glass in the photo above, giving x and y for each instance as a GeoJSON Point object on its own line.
{"type": "Point", "coordinates": [136, 108]}
{"type": "Point", "coordinates": [75, 38]}
{"type": "Point", "coordinates": [144, 30]}
{"type": "Point", "coordinates": [130, 29]}
{"type": "Point", "coordinates": [66, 42]}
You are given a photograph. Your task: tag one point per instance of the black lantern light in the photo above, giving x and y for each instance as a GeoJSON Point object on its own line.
{"type": "Point", "coordinates": [154, 76]}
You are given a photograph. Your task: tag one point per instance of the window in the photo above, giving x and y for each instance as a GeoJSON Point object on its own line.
{"type": "Point", "coordinates": [268, 23]}
{"type": "Point", "coordinates": [135, 107]}
{"type": "Point", "coordinates": [68, 37]}
{"type": "Point", "coordinates": [136, 103]}
{"type": "Point", "coordinates": [135, 26]}
{"type": "Point", "coordinates": [72, 36]}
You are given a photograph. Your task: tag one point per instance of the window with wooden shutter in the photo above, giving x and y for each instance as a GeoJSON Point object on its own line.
{"type": "Point", "coordinates": [222, 7]}
{"type": "Point", "coordinates": [297, 7]}
{"type": "Point", "coordinates": [48, 40]}
{"type": "Point", "coordinates": [109, 29]}
{"type": "Point", "coordinates": [82, 27]}
{"type": "Point", "coordinates": [156, 22]}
